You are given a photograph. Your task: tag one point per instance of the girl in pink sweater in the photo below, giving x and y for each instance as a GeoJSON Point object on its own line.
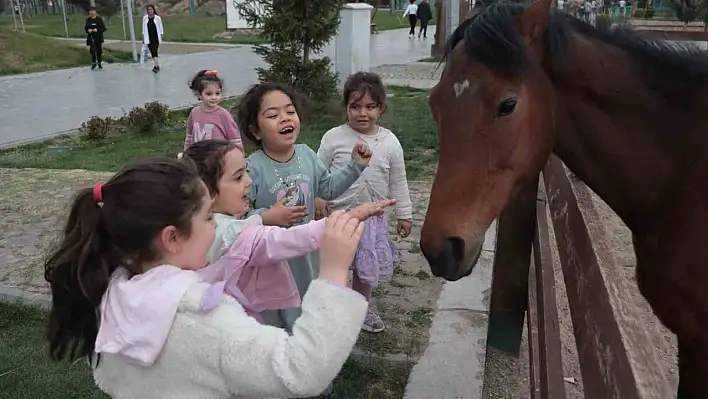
{"type": "Point", "coordinates": [209, 120]}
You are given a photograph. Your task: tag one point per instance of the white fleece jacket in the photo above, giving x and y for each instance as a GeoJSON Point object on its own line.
{"type": "Point", "coordinates": [223, 353]}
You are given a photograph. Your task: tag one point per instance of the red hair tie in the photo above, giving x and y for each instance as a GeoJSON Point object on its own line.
{"type": "Point", "coordinates": [211, 73]}
{"type": "Point", "coordinates": [98, 193]}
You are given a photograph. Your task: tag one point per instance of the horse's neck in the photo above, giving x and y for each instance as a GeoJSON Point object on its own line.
{"type": "Point", "coordinates": [610, 137]}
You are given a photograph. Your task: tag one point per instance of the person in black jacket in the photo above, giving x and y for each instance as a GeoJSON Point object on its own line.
{"type": "Point", "coordinates": [94, 28]}
{"type": "Point", "coordinates": [425, 14]}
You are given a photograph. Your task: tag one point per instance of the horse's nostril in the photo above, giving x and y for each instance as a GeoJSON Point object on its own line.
{"type": "Point", "coordinates": [455, 247]}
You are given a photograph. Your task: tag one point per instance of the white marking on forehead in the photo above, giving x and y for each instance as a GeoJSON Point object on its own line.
{"type": "Point", "coordinates": [460, 87]}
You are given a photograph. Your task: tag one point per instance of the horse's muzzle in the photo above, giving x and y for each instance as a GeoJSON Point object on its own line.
{"type": "Point", "coordinates": [453, 262]}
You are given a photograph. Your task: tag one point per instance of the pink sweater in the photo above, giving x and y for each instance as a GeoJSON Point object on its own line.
{"type": "Point", "coordinates": [217, 124]}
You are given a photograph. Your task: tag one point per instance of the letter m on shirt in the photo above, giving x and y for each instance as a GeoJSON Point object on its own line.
{"type": "Point", "coordinates": [202, 133]}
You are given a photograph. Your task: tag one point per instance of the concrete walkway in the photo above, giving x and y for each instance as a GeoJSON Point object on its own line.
{"type": "Point", "coordinates": [39, 105]}
{"type": "Point", "coordinates": [452, 366]}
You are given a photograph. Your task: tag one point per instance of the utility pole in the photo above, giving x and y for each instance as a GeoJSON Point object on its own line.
{"type": "Point", "coordinates": [132, 30]}
{"type": "Point", "coordinates": [63, 14]}
{"type": "Point", "coordinates": [22, 21]}
{"type": "Point", "coordinates": [122, 18]}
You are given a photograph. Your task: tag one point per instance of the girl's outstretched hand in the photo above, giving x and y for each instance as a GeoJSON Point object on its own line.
{"type": "Point", "coordinates": [370, 209]}
{"type": "Point", "coordinates": [341, 237]}
{"type": "Point", "coordinates": [361, 153]}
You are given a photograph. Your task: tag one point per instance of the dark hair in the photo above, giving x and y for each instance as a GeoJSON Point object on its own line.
{"type": "Point", "coordinates": [361, 84]}
{"type": "Point", "coordinates": [202, 78]}
{"type": "Point", "coordinates": [91, 9]}
{"type": "Point", "coordinates": [411, 1]}
{"type": "Point", "coordinates": [208, 156]}
{"type": "Point", "coordinates": [101, 234]}
{"type": "Point", "coordinates": [250, 106]}
{"type": "Point", "coordinates": [153, 8]}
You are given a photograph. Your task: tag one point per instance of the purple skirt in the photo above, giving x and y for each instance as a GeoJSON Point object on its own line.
{"type": "Point", "coordinates": [376, 254]}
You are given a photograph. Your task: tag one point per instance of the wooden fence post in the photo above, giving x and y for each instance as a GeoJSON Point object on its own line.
{"type": "Point", "coordinates": [510, 276]}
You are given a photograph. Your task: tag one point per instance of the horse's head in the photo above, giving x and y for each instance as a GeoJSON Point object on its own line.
{"type": "Point", "coordinates": [494, 109]}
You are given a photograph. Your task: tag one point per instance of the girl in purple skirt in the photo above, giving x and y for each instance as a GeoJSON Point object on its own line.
{"type": "Point", "coordinates": [385, 178]}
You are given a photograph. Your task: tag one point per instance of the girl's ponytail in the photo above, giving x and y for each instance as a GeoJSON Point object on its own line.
{"type": "Point", "coordinates": [78, 271]}
{"type": "Point", "coordinates": [111, 226]}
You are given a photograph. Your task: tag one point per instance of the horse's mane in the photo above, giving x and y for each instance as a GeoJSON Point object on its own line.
{"type": "Point", "coordinates": [491, 38]}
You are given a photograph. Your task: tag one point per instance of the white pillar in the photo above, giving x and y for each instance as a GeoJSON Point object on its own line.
{"type": "Point", "coordinates": [351, 46]}
{"type": "Point", "coordinates": [452, 16]}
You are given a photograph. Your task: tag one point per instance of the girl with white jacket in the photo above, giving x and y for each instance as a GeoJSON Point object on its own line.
{"type": "Point", "coordinates": [152, 34]}
{"type": "Point", "coordinates": [126, 294]}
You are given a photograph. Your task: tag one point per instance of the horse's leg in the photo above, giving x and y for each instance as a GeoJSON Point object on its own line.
{"type": "Point", "coordinates": [693, 369]}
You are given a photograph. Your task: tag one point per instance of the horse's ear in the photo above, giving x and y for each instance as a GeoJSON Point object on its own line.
{"type": "Point", "coordinates": [534, 20]}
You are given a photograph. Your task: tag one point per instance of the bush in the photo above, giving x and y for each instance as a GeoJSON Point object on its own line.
{"type": "Point", "coordinates": [99, 128]}
{"type": "Point", "coordinates": [146, 119]}
{"type": "Point", "coordinates": [149, 118]}
{"type": "Point", "coordinates": [641, 13]}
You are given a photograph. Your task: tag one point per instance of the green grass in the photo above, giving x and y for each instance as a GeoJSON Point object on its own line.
{"type": "Point", "coordinates": [178, 28]}
{"type": "Point", "coordinates": [430, 59]}
{"type": "Point", "coordinates": [26, 52]}
{"type": "Point", "coordinates": [408, 116]}
{"type": "Point", "coordinates": [26, 372]}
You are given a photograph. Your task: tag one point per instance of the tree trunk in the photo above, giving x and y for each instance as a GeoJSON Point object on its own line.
{"type": "Point", "coordinates": [305, 39]}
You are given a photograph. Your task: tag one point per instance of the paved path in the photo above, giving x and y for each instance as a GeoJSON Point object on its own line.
{"type": "Point", "coordinates": [40, 105]}
{"type": "Point", "coordinates": [452, 365]}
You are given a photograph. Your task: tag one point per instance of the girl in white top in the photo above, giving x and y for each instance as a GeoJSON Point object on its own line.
{"type": "Point", "coordinates": [126, 294]}
{"type": "Point", "coordinates": [365, 101]}
{"type": "Point", "coordinates": [152, 34]}
{"type": "Point", "coordinates": [412, 13]}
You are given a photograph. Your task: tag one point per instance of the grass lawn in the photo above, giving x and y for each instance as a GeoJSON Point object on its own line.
{"type": "Point", "coordinates": [178, 28]}
{"type": "Point", "coordinates": [408, 116]}
{"type": "Point", "coordinates": [26, 52]}
{"type": "Point", "coordinates": [27, 373]}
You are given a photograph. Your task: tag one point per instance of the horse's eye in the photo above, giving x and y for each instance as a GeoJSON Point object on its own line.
{"type": "Point", "coordinates": [507, 107]}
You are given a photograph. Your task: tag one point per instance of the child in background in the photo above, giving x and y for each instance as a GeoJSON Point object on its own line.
{"type": "Point", "coordinates": [248, 257]}
{"type": "Point", "coordinates": [365, 101]}
{"type": "Point", "coordinates": [209, 120]}
{"type": "Point", "coordinates": [287, 176]}
{"type": "Point", "coordinates": [125, 294]}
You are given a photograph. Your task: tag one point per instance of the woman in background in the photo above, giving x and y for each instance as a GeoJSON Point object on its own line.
{"type": "Point", "coordinates": [94, 28]}
{"type": "Point", "coordinates": [152, 34]}
{"type": "Point", "coordinates": [412, 13]}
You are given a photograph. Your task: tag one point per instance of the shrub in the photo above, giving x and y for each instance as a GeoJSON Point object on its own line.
{"type": "Point", "coordinates": [149, 118]}
{"type": "Point", "coordinates": [146, 119]}
{"type": "Point", "coordinates": [98, 128]}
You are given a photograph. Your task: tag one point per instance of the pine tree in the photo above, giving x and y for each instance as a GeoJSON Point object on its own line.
{"type": "Point", "coordinates": [295, 29]}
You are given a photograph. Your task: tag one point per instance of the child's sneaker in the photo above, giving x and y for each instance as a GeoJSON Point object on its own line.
{"type": "Point", "coordinates": [373, 323]}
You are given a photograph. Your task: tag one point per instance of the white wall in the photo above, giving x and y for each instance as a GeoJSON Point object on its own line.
{"type": "Point", "coordinates": [233, 19]}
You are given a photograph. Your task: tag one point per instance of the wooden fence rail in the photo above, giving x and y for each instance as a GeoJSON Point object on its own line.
{"type": "Point", "coordinates": [617, 357]}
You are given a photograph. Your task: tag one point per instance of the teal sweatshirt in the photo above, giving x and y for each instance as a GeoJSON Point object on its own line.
{"type": "Point", "coordinates": [301, 179]}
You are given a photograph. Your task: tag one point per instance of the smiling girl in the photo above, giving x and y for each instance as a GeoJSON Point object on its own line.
{"type": "Point", "coordinates": [209, 120]}
{"type": "Point", "coordinates": [268, 115]}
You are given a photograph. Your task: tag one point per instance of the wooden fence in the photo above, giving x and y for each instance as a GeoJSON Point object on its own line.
{"type": "Point", "coordinates": [617, 357]}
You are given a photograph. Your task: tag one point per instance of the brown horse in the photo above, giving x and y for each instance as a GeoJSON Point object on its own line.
{"type": "Point", "coordinates": [629, 116]}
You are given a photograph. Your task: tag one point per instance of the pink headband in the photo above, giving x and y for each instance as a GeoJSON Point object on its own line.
{"type": "Point", "coordinates": [98, 193]}
{"type": "Point", "coordinates": [211, 73]}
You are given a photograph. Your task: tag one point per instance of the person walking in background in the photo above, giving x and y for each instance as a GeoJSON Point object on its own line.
{"type": "Point", "coordinates": [411, 11]}
{"type": "Point", "coordinates": [152, 34]}
{"type": "Point", "coordinates": [94, 29]}
{"type": "Point", "coordinates": [425, 14]}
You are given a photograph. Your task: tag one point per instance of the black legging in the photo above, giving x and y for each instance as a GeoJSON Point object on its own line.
{"type": "Point", "coordinates": [96, 50]}
{"type": "Point", "coordinates": [412, 19]}
{"type": "Point", "coordinates": [423, 28]}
